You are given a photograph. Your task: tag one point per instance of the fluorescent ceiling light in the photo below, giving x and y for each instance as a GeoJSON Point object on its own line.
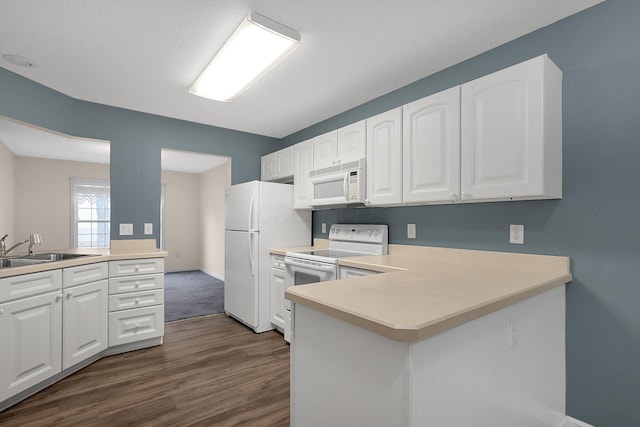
{"type": "Point", "coordinates": [254, 48]}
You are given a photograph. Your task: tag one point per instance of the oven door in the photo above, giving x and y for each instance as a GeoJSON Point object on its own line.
{"type": "Point", "coordinates": [300, 272]}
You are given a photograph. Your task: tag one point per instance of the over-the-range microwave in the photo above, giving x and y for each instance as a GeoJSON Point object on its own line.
{"type": "Point", "coordinates": [339, 185]}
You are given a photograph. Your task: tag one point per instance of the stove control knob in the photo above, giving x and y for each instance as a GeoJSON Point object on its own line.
{"type": "Point", "coordinates": [337, 230]}
{"type": "Point", "coordinates": [375, 232]}
{"type": "Point", "coordinates": [370, 232]}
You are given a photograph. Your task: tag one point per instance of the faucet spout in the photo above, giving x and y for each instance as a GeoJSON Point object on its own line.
{"type": "Point", "coordinates": [15, 246]}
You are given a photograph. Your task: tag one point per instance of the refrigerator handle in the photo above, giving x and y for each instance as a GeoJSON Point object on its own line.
{"type": "Point", "coordinates": [251, 253]}
{"type": "Point", "coordinates": [253, 200]}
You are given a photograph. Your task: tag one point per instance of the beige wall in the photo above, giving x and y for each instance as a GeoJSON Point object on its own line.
{"type": "Point", "coordinates": [182, 213]}
{"type": "Point", "coordinates": [43, 198]}
{"type": "Point", "coordinates": [7, 200]}
{"type": "Point", "coordinates": [194, 220]}
{"type": "Point", "coordinates": [213, 183]}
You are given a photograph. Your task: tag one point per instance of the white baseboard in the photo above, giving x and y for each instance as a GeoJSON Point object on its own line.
{"type": "Point", "coordinates": [213, 274]}
{"type": "Point", "coordinates": [210, 273]}
{"type": "Point", "coordinates": [572, 422]}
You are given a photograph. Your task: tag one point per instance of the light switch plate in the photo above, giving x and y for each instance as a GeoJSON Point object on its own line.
{"type": "Point", "coordinates": [324, 227]}
{"type": "Point", "coordinates": [148, 228]}
{"type": "Point", "coordinates": [126, 229]}
{"type": "Point", "coordinates": [411, 231]}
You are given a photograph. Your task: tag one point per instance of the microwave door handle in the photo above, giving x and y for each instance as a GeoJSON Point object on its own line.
{"type": "Point", "coordinates": [345, 186]}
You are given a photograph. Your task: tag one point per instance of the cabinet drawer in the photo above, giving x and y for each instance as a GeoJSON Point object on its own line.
{"type": "Point", "coordinates": [81, 274]}
{"type": "Point", "coordinates": [136, 325]}
{"type": "Point", "coordinates": [277, 261]}
{"type": "Point", "coordinates": [135, 300]}
{"type": "Point", "coordinates": [27, 285]}
{"type": "Point", "coordinates": [128, 267]}
{"type": "Point", "coordinates": [144, 282]}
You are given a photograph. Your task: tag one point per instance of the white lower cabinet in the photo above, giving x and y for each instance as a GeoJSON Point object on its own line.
{"type": "Point", "coordinates": [277, 291]}
{"type": "Point", "coordinates": [85, 330]}
{"type": "Point", "coordinates": [136, 300]}
{"type": "Point", "coordinates": [31, 335]}
{"type": "Point", "coordinates": [53, 320]}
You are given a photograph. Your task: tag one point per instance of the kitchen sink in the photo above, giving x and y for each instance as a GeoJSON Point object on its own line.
{"type": "Point", "coordinates": [33, 259]}
{"type": "Point", "coordinates": [53, 256]}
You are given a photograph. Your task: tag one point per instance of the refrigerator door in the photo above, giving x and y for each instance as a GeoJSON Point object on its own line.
{"type": "Point", "coordinates": [242, 206]}
{"type": "Point", "coordinates": [241, 276]}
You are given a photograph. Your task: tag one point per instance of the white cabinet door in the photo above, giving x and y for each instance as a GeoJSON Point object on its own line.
{"type": "Point", "coordinates": [431, 148]}
{"type": "Point", "coordinates": [277, 297]}
{"type": "Point", "coordinates": [352, 142]}
{"type": "Point", "coordinates": [85, 322]}
{"type": "Point", "coordinates": [268, 167]}
{"type": "Point", "coordinates": [325, 150]}
{"type": "Point", "coordinates": [31, 335]}
{"type": "Point", "coordinates": [303, 163]}
{"type": "Point", "coordinates": [512, 133]}
{"type": "Point", "coordinates": [384, 158]}
{"type": "Point", "coordinates": [284, 163]}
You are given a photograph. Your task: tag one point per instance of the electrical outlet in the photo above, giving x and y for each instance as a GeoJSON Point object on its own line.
{"type": "Point", "coordinates": [324, 227]}
{"type": "Point", "coordinates": [411, 231]}
{"type": "Point", "coordinates": [148, 228]}
{"type": "Point", "coordinates": [516, 234]}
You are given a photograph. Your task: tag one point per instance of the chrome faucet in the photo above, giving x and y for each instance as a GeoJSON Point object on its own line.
{"type": "Point", "coordinates": [33, 239]}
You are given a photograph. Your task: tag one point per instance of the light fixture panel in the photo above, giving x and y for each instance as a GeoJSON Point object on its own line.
{"type": "Point", "coordinates": [256, 46]}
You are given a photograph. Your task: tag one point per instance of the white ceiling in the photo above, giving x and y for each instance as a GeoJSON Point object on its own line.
{"type": "Point", "coordinates": [143, 55]}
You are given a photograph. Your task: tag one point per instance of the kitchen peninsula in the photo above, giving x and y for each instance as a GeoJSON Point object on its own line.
{"type": "Point", "coordinates": [445, 337]}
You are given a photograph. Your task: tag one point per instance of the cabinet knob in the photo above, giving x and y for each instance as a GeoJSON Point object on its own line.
{"type": "Point", "coordinates": [137, 283]}
{"type": "Point", "coordinates": [137, 268]}
{"type": "Point", "coordinates": [138, 325]}
{"type": "Point", "coordinates": [69, 294]}
{"type": "Point", "coordinates": [367, 202]}
{"type": "Point", "coordinates": [58, 298]}
{"type": "Point", "coordinates": [137, 300]}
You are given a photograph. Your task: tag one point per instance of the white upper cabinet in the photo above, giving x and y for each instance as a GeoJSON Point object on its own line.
{"type": "Point", "coordinates": [268, 167]}
{"type": "Point", "coordinates": [347, 144]}
{"type": "Point", "coordinates": [277, 166]}
{"type": "Point", "coordinates": [384, 159]}
{"type": "Point", "coordinates": [352, 142]}
{"type": "Point", "coordinates": [303, 163]}
{"type": "Point", "coordinates": [325, 150]}
{"type": "Point", "coordinates": [512, 133]}
{"type": "Point", "coordinates": [431, 148]}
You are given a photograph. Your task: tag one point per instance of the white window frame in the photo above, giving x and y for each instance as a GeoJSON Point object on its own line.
{"type": "Point", "coordinates": [98, 183]}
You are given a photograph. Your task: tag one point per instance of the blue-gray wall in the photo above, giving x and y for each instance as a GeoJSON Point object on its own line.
{"type": "Point", "coordinates": [136, 141]}
{"type": "Point", "coordinates": [597, 223]}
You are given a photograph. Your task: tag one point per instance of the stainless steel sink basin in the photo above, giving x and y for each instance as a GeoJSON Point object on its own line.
{"type": "Point", "coordinates": [53, 256]}
{"type": "Point", "coordinates": [37, 259]}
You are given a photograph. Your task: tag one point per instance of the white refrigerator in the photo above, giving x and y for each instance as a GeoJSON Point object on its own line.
{"type": "Point", "coordinates": [258, 216]}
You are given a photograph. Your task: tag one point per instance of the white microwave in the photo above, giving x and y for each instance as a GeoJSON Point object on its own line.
{"type": "Point", "coordinates": [338, 185]}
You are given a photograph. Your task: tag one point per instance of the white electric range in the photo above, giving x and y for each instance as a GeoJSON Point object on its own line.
{"type": "Point", "coordinates": [321, 265]}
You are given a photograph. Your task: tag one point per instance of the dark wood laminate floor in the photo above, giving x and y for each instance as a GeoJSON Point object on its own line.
{"type": "Point", "coordinates": [211, 371]}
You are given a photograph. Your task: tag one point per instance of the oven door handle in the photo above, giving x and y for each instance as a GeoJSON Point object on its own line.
{"type": "Point", "coordinates": [320, 267]}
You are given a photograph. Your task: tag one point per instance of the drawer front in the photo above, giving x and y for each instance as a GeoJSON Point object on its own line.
{"type": "Point", "coordinates": [74, 276]}
{"type": "Point", "coordinates": [128, 267]}
{"type": "Point", "coordinates": [138, 324]}
{"type": "Point", "coordinates": [135, 300]}
{"type": "Point", "coordinates": [26, 285]}
{"type": "Point", "coordinates": [277, 261]}
{"type": "Point", "coordinates": [145, 282]}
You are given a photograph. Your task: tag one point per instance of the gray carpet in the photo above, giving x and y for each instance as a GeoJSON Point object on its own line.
{"type": "Point", "coordinates": [192, 294]}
